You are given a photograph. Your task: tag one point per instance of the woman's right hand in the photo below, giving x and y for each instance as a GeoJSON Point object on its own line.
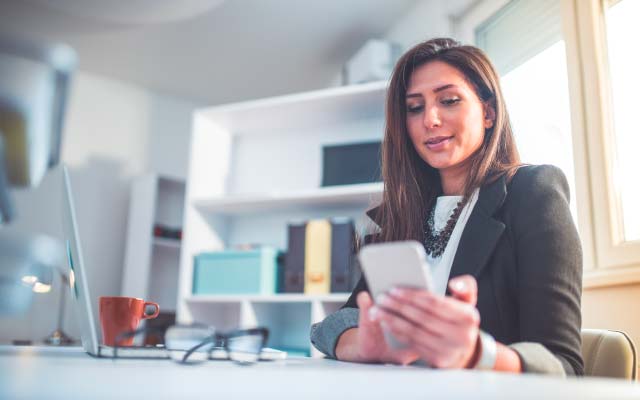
{"type": "Point", "coordinates": [366, 343]}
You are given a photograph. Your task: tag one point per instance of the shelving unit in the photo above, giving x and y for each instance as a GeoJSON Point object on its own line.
{"type": "Point", "coordinates": [168, 243]}
{"type": "Point", "coordinates": [152, 263]}
{"type": "Point", "coordinates": [255, 167]}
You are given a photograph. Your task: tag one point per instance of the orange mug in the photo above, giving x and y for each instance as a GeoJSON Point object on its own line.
{"type": "Point", "coordinates": [122, 314]}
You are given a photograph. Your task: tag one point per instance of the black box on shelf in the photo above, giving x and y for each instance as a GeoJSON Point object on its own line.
{"type": "Point", "coordinates": [348, 164]}
{"type": "Point", "coordinates": [157, 327]}
{"type": "Point", "coordinates": [163, 231]}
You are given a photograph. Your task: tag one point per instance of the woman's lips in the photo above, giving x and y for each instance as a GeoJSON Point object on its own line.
{"type": "Point", "coordinates": [438, 143]}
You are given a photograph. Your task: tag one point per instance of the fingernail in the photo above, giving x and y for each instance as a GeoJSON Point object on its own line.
{"type": "Point", "coordinates": [459, 286]}
{"type": "Point", "coordinates": [381, 298]}
{"type": "Point", "coordinates": [373, 313]}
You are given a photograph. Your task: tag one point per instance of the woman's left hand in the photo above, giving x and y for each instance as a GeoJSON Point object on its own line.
{"type": "Point", "coordinates": [443, 330]}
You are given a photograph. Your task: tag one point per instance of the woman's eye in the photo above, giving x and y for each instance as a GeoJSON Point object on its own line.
{"type": "Point", "coordinates": [451, 101]}
{"type": "Point", "coordinates": [412, 109]}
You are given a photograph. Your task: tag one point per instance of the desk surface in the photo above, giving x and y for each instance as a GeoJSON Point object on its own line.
{"type": "Point", "coordinates": [38, 373]}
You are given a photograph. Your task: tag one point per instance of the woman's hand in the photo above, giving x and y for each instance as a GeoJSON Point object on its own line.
{"type": "Point", "coordinates": [442, 330]}
{"type": "Point", "coordinates": [366, 342]}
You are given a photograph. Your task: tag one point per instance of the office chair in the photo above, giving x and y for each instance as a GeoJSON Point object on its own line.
{"type": "Point", "coordinates": [608, 353]}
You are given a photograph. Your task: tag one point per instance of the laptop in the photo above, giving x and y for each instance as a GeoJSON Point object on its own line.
{"type": "Point", "coordinates": [82, 296]}
{"type": "Point", "coordinates": [80, 288]}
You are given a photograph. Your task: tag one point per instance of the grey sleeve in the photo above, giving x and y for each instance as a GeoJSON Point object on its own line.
{"type": "Point", "coordinates": [537, 359]}
{"type": "Point", "coordinates": [325, 334]}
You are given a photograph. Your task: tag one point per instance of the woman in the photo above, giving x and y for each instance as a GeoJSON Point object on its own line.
{"type": "Point", "coordinates": [499, 235]}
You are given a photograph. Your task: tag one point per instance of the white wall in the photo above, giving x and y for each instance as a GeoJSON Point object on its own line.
{"type": "Point", "coordinates": [138, 129]}
{"type": "Point", "coordinates": [114, 132]}
{"type": "Point", "coordinates": [428, 19]}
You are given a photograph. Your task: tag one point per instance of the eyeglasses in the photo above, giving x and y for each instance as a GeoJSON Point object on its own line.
{"type": "Point", "coordinates": [189, 344]}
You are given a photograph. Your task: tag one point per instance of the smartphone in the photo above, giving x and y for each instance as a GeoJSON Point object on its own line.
{"type": "Point", "coordinates": [387, 265]}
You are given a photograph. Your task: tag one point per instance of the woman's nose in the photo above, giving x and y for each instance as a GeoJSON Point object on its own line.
{"type": "Point", "coordinates": [431, 117]}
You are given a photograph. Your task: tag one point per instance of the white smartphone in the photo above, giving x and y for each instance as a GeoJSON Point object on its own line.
{"type": "Point", "coordinates": [387, 265]}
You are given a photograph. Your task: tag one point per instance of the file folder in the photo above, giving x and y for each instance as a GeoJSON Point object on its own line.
{"type": "Point", "coordinates": [294, 260]}
{"type": "Point", "coordinates": [342, 249]}
{"type": "Point", "coordinates": [317, 257]}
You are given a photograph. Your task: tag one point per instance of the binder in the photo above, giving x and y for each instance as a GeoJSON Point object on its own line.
{"type": "Point", "coordinates": [317, 257]}
{"type": "Point", "coordinates": [280, 260]}
{"type": "Point", "coordinates": [356, 272]}
{"type": "Point", "coordinates": [342, 249]}
{"type": "Point", "coordinates": [294, 260]}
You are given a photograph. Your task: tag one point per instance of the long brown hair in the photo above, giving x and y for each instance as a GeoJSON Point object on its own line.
{"type": "Point", "coordinates": [410, 184]}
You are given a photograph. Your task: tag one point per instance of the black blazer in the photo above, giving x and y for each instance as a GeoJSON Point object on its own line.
{"type": "Point", "coordinates": [521, 245]}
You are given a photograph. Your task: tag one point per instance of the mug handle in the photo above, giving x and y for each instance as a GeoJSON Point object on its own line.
{"type": "Point", "coordinates": [155, 313]}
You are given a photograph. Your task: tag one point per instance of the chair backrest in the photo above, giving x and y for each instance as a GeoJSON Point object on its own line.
{"type": "Point", "coordinates": [609, 354]}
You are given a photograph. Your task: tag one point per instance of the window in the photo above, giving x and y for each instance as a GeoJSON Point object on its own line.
{"type": "Point", "coordinates": [575, 64]}
{"type": "Point", "coordinates": [622, 29]}
{"type": "Point", "coordinates": [537, 97]}
{"type": "Point", "coordinates": [524, 40]}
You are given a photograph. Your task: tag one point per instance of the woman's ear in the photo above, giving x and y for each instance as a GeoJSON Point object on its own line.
{"type": "Point", "coordinates": [489, 116]}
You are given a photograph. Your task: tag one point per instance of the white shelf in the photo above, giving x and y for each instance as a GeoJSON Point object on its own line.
{"type": "Point", "coordinates": [338, 196]}
{"type": "Point", "coordinates": [300, 111]}
{"type": "Point", "coordinates": [254, 168]}
{"type": "Point", "coordinates": [169, 243]}
{"type": "Point", "coordinates": [276, 298]}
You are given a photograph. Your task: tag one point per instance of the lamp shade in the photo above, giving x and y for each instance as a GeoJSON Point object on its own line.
{"type": "Point", "coordinates": [34, 80]}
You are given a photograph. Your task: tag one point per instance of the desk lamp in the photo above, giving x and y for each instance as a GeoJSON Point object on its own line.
{"type": "Point", "coordinates": [28, 263]}
{"type": "Point", "coordinates": [34, 82]}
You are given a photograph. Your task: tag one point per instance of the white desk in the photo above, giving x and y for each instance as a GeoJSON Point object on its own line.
{"type": "Point", "coordinates": [33, 373]}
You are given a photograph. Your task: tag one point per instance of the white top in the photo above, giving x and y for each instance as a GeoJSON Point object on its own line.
{"type": "Point", "coordinates": [441, 266]}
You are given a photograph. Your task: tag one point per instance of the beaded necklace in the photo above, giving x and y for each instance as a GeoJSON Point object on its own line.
{"type": "Point", "coordinates": [436, 243]}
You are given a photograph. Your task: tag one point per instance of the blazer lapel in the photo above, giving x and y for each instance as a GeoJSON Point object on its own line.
{"type": "Point", "coordinates": [482, 231]}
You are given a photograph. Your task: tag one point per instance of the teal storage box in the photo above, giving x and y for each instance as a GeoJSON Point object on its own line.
{"type": "Point", "coordinates": [236, 272]}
